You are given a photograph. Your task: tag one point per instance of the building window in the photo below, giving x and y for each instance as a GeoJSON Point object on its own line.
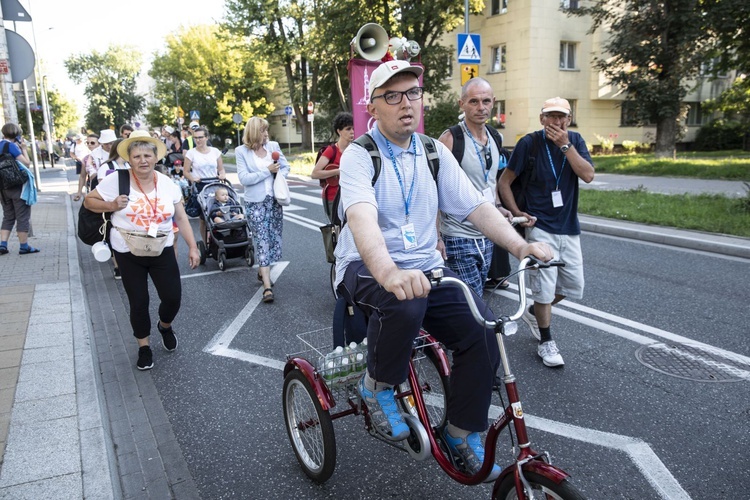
{"type": "Point", "coordinates": [569, 4]}
{"type": "Point", "coordinates": [695, 116]}
{"type": "Point", "coordinates": [567, 55]}
{"type": "Point", "coordinates": [709, 67]}
{"type": "Point", "coordinates": [498, 7]}
{"type": "Point", "coordinates": [573, 111]}
{"type": "Point", "coordinates": [448, 67]}
{"type": "Point", "coordinates": [497, 63]}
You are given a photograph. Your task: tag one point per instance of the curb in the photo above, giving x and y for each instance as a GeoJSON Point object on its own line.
{"type": "Point", "coordinates": [694, 240]}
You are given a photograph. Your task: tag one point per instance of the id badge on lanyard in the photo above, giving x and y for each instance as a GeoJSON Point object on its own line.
{"type": "Point", "coordinates": [557, 200]}
{"type": "Point", "coordinates": [409, 235]}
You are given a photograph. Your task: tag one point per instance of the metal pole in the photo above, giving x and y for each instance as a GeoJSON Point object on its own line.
{"type": "Point", "coordinates": [31, 137]}
{"type": "Point", "coordinates": [43, 96]}
{"type": "Point", "coordinates": [288, 134]}
{"type": "Point", "coordinates": [312, 132]}
{"type": "Point", "coordinates": [10, 112]}
{"type": "Point", "coordinates": [466, 16]}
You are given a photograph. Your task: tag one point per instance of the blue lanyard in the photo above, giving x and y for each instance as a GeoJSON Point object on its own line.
{"type": "Point", "coordinates": [482, 161]}
{"type": "Point", "coordinates": [549, 155]}
{"type": "Point", "coordinates": [407, 199]}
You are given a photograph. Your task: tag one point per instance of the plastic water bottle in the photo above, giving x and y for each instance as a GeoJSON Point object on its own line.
{"type": "Point", "coordinates": [362, 348]}
{"type": "Point", "coordinates": [337, 356]}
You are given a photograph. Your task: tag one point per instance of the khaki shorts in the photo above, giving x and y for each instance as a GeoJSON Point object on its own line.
{"type": "Point", "coordinates": [568, 280]}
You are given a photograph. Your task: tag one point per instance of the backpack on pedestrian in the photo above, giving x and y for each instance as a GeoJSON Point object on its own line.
{"type": "Point", "coordinates": [94, 227]}
{"type": "Point", "coordinates": [323, 182]}
{"type": "Point", "coordinates": [459, 143]}
{"type": "Point", "coordinates": [519, 185]}
{"type": "Point", "coordinates": [11, 175]}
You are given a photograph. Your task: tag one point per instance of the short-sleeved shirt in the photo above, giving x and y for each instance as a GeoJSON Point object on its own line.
{"type": "Point", "coordinates": [453, 194]}
{"type": "Point", "coordinates": [139, 213]}
{"type": "Point", "coordinates": [473, 163]}
{"type": "Point", "coordinates": [555, 220]}
{"type": "Point", "coordinates": [333, 153]}
{"type": "Point", "coordinates": [13, 148]}
{"type": "Point", "coordinates": [107, 168]}
{"type": "Point", "coordinates": [204, 165]}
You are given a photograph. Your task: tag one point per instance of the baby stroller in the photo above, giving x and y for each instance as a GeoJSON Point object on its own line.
{"type": "Point", "coordinates": [229, 239]}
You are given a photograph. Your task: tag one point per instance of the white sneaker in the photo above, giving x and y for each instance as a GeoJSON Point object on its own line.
{"type": "Point", "coordinates": [530, 320]}
{"type": "Point", "coordinates": [550, 354]}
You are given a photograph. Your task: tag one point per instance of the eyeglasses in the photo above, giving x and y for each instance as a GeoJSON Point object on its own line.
{"type": "Point", "coordinates": [199, 137]}
{"type": "Point", "coordinates": [91, 143]}
{"type": "Point", "coordinates": [394, 97]}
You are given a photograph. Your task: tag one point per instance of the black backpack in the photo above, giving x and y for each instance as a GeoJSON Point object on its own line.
{"type": "Point", "coordinates": [94, 227]}
{"type": "Point", "coordinates": [518, 186]}
{"type": "Point", "coordinates": [366, 141]}
{"type": "Point", "coordinates": [459, 143]}
{"type": "Point", "coordinates": [11, 175]}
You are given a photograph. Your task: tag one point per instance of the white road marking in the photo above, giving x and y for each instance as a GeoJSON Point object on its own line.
{"type": "Point", "coordinates": [652, 468]}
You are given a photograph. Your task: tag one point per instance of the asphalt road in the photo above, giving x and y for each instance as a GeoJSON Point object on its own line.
{"type": "Point", "coordinates": [620, 428]}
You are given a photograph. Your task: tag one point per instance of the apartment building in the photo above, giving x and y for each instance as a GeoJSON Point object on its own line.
{"type": "Point", "coordinates": [532, 50]}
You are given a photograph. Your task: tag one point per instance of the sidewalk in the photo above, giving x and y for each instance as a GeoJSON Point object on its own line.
{"type": "Point", "coordinates": [60, 437]}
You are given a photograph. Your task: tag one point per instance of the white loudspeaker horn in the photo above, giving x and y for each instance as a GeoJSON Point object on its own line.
{"type": "Point", "coordinates": [371, 42]}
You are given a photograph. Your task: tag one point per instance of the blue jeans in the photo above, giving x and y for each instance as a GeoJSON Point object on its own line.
{"type": "Point", "coordinates": [393, 325]}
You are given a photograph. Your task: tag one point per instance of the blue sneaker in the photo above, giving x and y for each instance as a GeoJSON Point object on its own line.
{"type": "Point", "coordinates": [471, 452]}
{"type": "Point", "coordinates": [387, 420]}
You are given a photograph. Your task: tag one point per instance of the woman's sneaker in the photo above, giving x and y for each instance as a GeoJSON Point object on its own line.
{"type": "Point", "coordinates": [145, 358]}
{"type": "Point", "coordinates": [168, 339]}
{"type": "Point", "coordinates": [471, 453]}
{"type": "Point", "coordinates": [387, 420]}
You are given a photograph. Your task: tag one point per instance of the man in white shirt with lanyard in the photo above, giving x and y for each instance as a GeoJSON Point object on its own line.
{"type": "Point", "coordinates": [389, 242]}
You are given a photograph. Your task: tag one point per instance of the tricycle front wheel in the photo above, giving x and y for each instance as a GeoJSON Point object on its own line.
{"type": "Point", "coordinates": [309, 428]}
{"type": "Point", "coordinates": [541, 487]}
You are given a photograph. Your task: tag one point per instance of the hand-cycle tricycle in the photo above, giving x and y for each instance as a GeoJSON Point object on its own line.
{"type": "Point", "coordinates": [313, 397]}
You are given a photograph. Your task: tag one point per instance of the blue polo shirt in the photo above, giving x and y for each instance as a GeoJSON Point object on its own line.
{"type": "Point", "coordinates": [555, 220]}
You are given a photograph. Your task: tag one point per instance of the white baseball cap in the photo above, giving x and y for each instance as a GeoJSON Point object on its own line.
{"type": "Point", "coordinates": [557, 104]}
{"type": "Point", "coordinates": [388, 70]}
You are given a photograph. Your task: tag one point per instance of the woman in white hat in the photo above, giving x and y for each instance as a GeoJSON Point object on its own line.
{"type": "Point", "coordinates": [88, 169]}
{"type": "Point", "coordinates": [142, 238]}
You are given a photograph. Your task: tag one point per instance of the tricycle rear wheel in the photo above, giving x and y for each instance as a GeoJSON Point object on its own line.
{"type": "Point", "coordinates": [309, 428]}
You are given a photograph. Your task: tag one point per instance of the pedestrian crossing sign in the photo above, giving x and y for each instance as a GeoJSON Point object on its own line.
{"type": "Point", "coordinates": [469, 48]}
{"type": "Point", "coordinates": [195, 115]}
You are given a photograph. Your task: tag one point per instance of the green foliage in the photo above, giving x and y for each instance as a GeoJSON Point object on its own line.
{"type": "Point", "coordinates": [729, 165]}
{"type": "Point", "coordinates": [710, 213]}
{"type": "Point", "coordinates": [720, 135]}
{"type": "Point", "coordinates": [63, 113]}
{"type": "Point", "coordinates": [210, 71]}
{"type": "Point", "coordinates": [312, 50]}
{"type": "Point", "coordinates": [443, 113]}
{"type": "Point", "coordinates": [110, 79]}
{"type": "Point", "coordinates": [727, 22]}
{"type": "Point", "coordinates": [652, 49]}
{"type": "Point", "coordinates": [630, 146]}
{"type": "Point", "coordinates": [607, 143]}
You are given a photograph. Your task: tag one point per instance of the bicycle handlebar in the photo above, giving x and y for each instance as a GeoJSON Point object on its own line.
{"type": "Point", "coordinates": [436, 279]}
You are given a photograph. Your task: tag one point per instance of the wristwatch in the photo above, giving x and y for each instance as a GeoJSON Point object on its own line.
{"type": "Point", "coordinates": [565, 148]}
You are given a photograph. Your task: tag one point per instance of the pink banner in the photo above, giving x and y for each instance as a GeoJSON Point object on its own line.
{"type": "Point", "coordinates": [359, 80]}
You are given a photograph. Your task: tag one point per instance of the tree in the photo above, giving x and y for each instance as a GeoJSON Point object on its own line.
{"type": "Point", "coordinates": [110, 79]}
{"type": "Point", "coordinates": [211, 71]}
{"type": "Point", "coordinates": [312, 50]}
{"type": "Point", "coordinates": [63, 112]}
{"type": "Point", "coordinates": [652, 52]}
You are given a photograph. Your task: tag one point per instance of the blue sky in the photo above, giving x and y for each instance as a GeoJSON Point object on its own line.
{"type": "Point", "coordinates": [67, 27]}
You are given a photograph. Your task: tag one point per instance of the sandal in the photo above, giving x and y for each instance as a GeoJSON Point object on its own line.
{"type": "Point", "coordinates": [268, 295]}
{"type": "Point", "coordinates": [497, 284]}
{"type": "Point", "coordinates": [30, 249]}
{"type": "Point", "coordinates": [260, 278]}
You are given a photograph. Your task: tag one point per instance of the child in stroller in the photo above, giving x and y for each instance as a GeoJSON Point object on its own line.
{"type": "Point", "coordinates": [224, 209]}
{"type": "Point", "coordinates": [227, 236]}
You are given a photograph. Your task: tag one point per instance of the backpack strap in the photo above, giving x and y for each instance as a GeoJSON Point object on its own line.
{"type": "Point", "coordinates": [124, 181]}
{"type": "Point", "coordinates": [458, 142]}
{"type": "Point", "coordinates": [433, 158]}
{"type": "Point", "coordinates": [6, 147]}
{"type": "Point", "coordinates": [367, 142]}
